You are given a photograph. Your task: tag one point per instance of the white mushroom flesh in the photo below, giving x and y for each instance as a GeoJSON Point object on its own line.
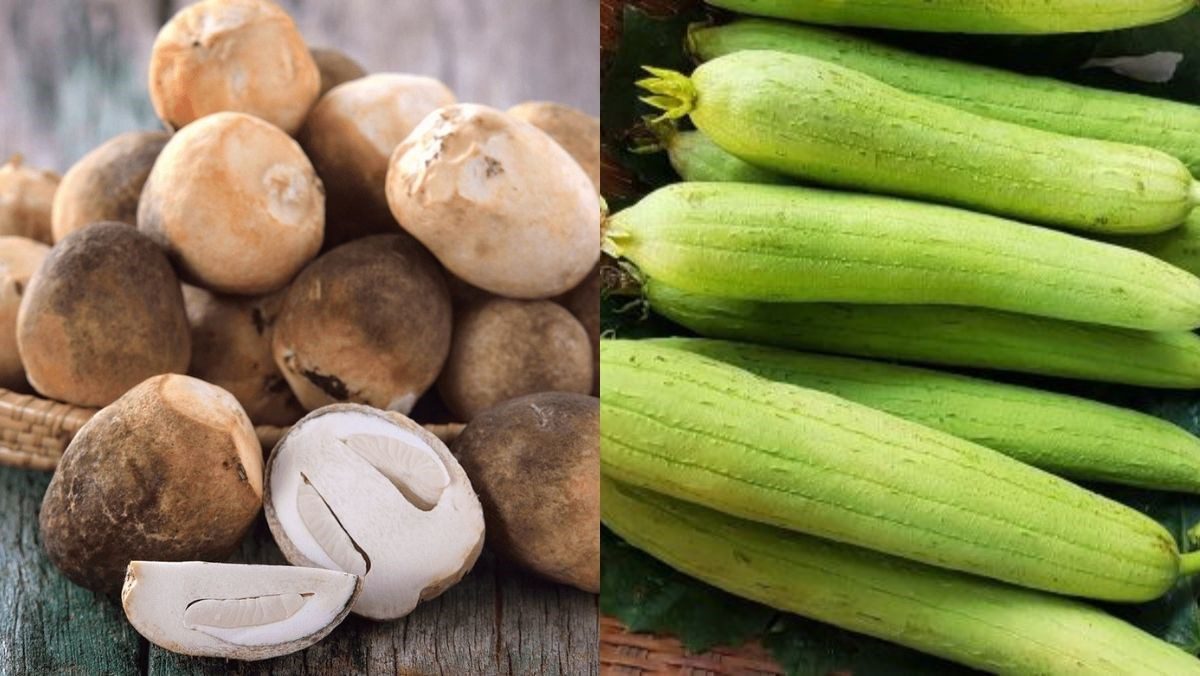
{"type": "Point", "coordinates": [234, 611]}
{"type": "Point", "coordinates": [357, 492]}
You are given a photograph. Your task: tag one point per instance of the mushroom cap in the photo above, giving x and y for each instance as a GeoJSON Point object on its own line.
{"type": "Point", "coordinates": [497, 201]}
{"type": "Point", "coordinates": [105, 184]}
{"type": "Point", "coordinates": [584, 302]}
{"type": "Point", "coordinates": [171, 471]}
{"type": "Point", "coordinates": [102, 313]}
{"type": "Point", "coordinates": [535, 461]}
{"type": "Point", "coordinates": [19, 258]}
{"type": "Point", "coordinates": [576, 131]}
{"type": "Point", "coordinates": [368, 322]}
{"type": "Point", "coordinates": [350, 135]}
{"type": "Point", "coordinates": [235, 203]}
{"type": "Point", "coordinates": [505, 348]}
{"type": "Point", "coordinates": [335, 67]}
{"type": "Point", "coordinates": [361, 490]}
{"type": "Point", "coordinates": [232, 55]}
{"type": "Point", "coordinates": [26, 199]}
{"type": "Point", "coordinates": [235, 611]}
{"type": "Point", "coordinates": [231, 348]}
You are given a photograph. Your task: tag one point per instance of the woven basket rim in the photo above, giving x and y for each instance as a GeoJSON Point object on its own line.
{"type": "Point", "coordinates": [34, 430]}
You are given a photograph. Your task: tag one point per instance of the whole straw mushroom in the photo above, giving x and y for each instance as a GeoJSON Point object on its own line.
{"type": "Point", "coordinates": [235, 203]}
{"type": "Point", "coordinates": [171, 471]}
{"type": "Point", "coordinates": [576, 131]}
{"type": "Point", "coordinates": [19, 258]}
{"type": "Point", "coordinates": [26, 198]}
{"type": "Point", "coordinates": [232, 55]}
{"type": "Point", "coordinates": [368, 322]}
{"type": "Point", "coordinates": [505, 348]}
{"type": "Point", "coordinates": [335, 67]}
{"type": "Point", "coordinates": [497, 201]}
{"type": "Point", "coordinates": [231, 348]}
{"type": "Point", "coordinates": [102, 313]}
{"type": "Point", "coordinates": [350, 135]}
{"type": "Point", "coordinates": [106, 183]}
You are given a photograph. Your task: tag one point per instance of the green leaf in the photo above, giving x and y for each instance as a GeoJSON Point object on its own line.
{"type": "Point", "coordinates": [1063, 56]}
{"type": "Point", "coordinates": [645, 41]}
{"type": "Point", "coordinates": [807, 648]}
{"type": "Point", "coordinates": [647, 595]}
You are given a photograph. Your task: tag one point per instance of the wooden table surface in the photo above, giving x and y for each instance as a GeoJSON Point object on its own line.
{"type": "Point", "coordinates": [72, 74]}
{"type": "Point", "coordinates": [496, 621]}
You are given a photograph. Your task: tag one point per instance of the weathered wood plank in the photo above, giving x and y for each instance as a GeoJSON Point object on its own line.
{"type": "Point", "coordinates": [545, 628]}
{"type": "Point", "coordinates": [496, 621]}
{"type": "Point", "coordinates": [47, 624]}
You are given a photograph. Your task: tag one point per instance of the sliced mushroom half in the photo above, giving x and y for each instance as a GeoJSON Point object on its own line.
{"type": "Point", "coordinates": [372, 493]}
{"type": "Point", "coordinates": [235, 611]}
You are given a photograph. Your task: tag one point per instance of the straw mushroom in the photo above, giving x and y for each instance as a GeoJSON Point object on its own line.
{"type": "Point", "coordinates": [235, 203]}
{"type": "Point", "coordinates": [335, 67]}
{"type": "Point", "coordinates": [506, 348]}
{"type": "Point", "coordinates": [232, 55]}
{"type": "Point", "coordinates": [171, 471]}
{"type": "Point", "coordinates": [367, 322]}
{"type": "Point", "coordinates": [235, 611]}
{"type": "Point", "coordinates": [584, 302]}
{"type": "Point", "coordinates": [369, 492]}
{"type": "Point", "coordinates": [351, 133]}
{"type": "Point", "coordinates": [26, 198]}
{"type": "Point", "coordinates": [105, 184]}
{"type": "Point", "coordinates": [576, 131]}
{"type": "Point", "coordinates": [231, 348]}
{"type": "Point", "coordinates": [497, 201]}
{"type": "Point", "coordinates": [535, 461]}
{"type": "Point", "coordinates": [102, 313]}
{"type": "Point", "coordinates": [19, 258]}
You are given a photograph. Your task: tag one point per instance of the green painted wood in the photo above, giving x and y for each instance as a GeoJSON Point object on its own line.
{"type": "Point", "coordinates": [496, 621]}
{"type": "Point", "coordinates": [47, 624]}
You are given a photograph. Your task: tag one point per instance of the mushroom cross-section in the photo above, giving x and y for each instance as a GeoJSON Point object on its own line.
{"type": "Point", "coordinates": [235, 611]}
{"type": "Point", "coordinates": [369, 492]}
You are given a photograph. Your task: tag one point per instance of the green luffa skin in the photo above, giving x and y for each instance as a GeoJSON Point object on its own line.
{"type": "Point", "coordinates": [1069, 436]}
{"type": "Point", "coordinates": [1042, 103]}
{"type": "Point", "coordinates": [706, 432]}
{"type": "Point", "coordinates": [821, 122]}
{"type": "Point", "coordinates": [696, 158]}
{"type": "Point", "coordinates": [1179, 247]}
{"type": "Point", "coordinates": [945, 335]}
{"type": "Point", "coordinates": [981, 623]}
{"type": "Point", "coordinates": [791, 243]}
{"type": "Point", "coordinates": [969, 16]}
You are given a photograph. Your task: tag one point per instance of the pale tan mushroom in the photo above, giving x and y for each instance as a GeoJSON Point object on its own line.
{"type": "Point", "coordinates": [244, 56]}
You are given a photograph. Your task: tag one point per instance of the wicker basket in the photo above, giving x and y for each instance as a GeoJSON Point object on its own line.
{"type": "Point", "coordinates": [621, 651]}
{"type": "Point", "coordinates": [34, 432]}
